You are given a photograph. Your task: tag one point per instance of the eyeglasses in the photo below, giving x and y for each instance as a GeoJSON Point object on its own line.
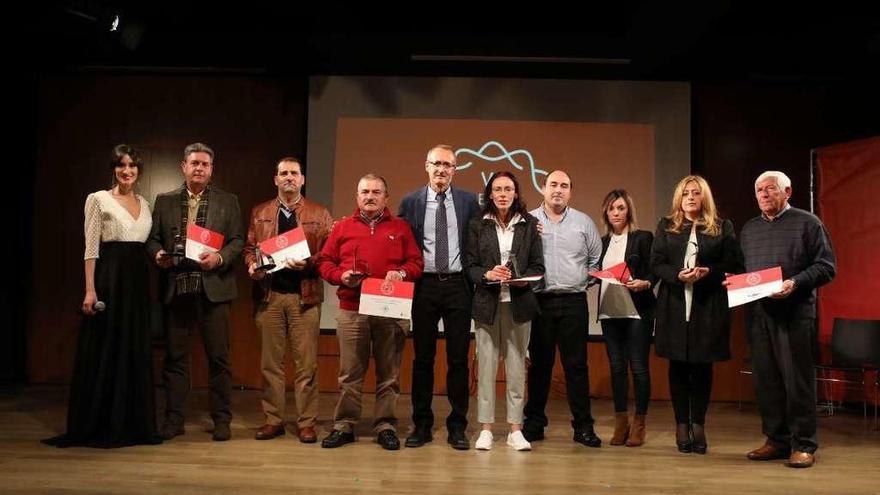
{"type": "Point", "coordinates": [503, 189]}
{"type": "Point", "coordinates": [439, 164]}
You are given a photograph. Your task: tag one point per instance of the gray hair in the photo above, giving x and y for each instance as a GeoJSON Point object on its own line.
{"type": "Point", "coordinates": [198, 148]}
{"type": "Point", "coordinates": [372, 176]}
{"type": "Point", "coordinates": [442, 147]}
{"type": "Point", "coordinates": [782, 180]}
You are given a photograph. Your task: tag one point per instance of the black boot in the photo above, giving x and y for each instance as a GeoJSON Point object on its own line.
{"type": "Point", "coordinates": [683, 438]}
{"type": "Point", "coordinates": [698, 435]}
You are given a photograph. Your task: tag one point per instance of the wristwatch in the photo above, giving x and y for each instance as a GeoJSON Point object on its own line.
{"type": "Point", "coordinates": [402, 273]}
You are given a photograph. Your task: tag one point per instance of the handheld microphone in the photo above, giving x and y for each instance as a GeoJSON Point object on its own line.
{"type": "Point", "coordinates": [98, 307]}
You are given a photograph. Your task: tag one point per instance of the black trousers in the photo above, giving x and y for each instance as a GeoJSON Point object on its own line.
{"type": "Point", "coordinates": [563, 322]}
{"type": "Point", "coordinates": [437, 297]}
{"type": "Point", "coordinates": [184, 314]}
{"type": "Point", "coordinates": [785, 383]}
{"type": "Point", "coordinates": [628, 343]}
{"type": "Point", "coordinates": [690, 385]}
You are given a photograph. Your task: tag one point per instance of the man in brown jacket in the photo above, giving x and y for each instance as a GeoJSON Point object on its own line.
{"type": "Point", "coordinates": [287, 303]}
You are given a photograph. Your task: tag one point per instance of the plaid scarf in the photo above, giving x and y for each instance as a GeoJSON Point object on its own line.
{"type": "Point", "coordinates": [189, 276]}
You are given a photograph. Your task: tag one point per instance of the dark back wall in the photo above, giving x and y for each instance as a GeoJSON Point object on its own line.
{"type": "Point", "coordinates": [738, 131]}
{"type": "Point", "coordinates": [249, 122]}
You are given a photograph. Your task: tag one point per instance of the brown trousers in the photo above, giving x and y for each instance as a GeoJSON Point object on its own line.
{"type": "Point", "coordinates": [358, 336]}
{"type": "Point", "coordinates": [286, 325]}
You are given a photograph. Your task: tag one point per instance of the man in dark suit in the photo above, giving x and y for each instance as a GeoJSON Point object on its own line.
{"type": "Point", "coordinates": [196, 293]}
{"type": "Point", "coordinates": [439, 215]}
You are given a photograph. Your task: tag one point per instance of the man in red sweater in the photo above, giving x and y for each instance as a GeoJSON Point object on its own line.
{"type": "Point", "coordinates": [369, 243]}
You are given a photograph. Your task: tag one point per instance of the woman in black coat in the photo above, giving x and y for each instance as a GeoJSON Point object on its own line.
{"type": "Point", "coordinates": [503, 243]}
{"type": "Point", "coordinates": [627, 313]}
{"type": "Point", "coordinates": [693, 250]}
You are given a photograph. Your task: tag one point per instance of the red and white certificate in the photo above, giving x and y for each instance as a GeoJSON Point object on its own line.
{"type": "Point", "coordinates": [201, 240]}
{"type": "Point", "coordinates": [617, 274]}
{"type": "Point", "coordinates": [380, 297]}
{"type": "Point", "coordinates": [748, 287]}
{"type": "Point", "coordinates": [291, 245]}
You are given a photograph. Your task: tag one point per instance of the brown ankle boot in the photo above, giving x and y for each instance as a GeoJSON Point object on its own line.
{"type": "Point", "coordinates": [637, 434]}
{"type": "Point", "coordinates": [621, 428]}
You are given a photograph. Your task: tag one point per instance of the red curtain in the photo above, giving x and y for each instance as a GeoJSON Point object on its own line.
{"type": "Point", "coordinates": [848, 201]}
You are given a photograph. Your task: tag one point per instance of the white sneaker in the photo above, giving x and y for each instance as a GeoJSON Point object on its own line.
{"type": "Point", "coordinates": [484, 441]}
{"type": "Point", "coordinates": [518, 441]}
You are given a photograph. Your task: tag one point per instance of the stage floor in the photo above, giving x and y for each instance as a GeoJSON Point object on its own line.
{"type": "Point", "coordinates": [848, 461]}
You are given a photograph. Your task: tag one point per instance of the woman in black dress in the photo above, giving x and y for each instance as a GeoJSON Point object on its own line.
{"type": "Point", "coordinates": [111, 391]}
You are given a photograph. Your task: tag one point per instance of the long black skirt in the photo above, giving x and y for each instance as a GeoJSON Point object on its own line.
{"type": "Point", "coordinates": [112, 401]}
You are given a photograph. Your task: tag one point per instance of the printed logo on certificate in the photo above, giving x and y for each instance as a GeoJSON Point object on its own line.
{"type": "Point", "coordinates": [291, 245]}
{"type": "Point", "coordinates": [747, 287]}
{"type": "Point", "coordinates": [380, 297]}
{"type": "Point", "coordinates": [201, 240]}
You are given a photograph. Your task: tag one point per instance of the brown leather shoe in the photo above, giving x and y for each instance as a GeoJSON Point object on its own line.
{"type": "Point", "coordinates": [307, 435]}
{"type": "Point", "coordinates": [768, 452]}
{"type": "Point", "coordinates": [268, 432]}
{"type": "Point", "coordinates": [621, 428]}
{"type": "Point", "coordinates": [801, 460]}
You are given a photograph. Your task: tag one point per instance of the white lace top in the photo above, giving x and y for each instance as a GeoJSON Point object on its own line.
{"type": "Point", "coordinates": [107, 220]}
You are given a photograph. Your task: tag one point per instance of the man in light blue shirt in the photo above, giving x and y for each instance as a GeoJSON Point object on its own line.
{"type": "Point", "coordinates": [572, 247]}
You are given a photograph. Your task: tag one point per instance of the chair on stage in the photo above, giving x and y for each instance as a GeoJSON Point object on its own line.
{"type": "Point", "coordinates": [855, 350]}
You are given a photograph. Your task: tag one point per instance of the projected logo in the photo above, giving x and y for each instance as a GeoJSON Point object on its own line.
{"type": "Point", "coordinates": [493, 151]}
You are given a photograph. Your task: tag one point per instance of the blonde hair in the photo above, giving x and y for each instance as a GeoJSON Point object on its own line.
{"type": "Point", "coordinates": [708, 217]}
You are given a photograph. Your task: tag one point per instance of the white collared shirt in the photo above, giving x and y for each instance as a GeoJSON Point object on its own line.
{"type": "Point", "coordinates": [505, 244]}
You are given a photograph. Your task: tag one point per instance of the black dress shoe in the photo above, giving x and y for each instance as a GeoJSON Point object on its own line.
{"type": "Point", "coordinates": [458, 440]}
{"type": "Point", "coordinates": [698, 437]}
{"type": "Point", "coordinates": [683, 438]}
{"type": "Point", "coordinates": [587, 436]}
{"type": "Point", "coordinates": [170, 430]}
{"type": "Point", "coordinates": [419, 437]}
{"type": "Point", "coordinates": [388, 440]}
{"type": "Point", "coordinates": [337, 438]}
{"type": "Point", "coordinates": [533, 435]}
{"type": "Point", "coordinates": [222, 432]}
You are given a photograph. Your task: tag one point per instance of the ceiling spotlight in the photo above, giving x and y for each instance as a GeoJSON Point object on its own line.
{"type": "Point", "coordinates": [114, 25]}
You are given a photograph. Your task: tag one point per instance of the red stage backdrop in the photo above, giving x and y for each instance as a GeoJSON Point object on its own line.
{"type": "Point", "coordinates": [848, 177]}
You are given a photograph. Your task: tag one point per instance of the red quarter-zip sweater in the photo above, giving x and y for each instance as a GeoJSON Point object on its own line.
{"type": "Point", "coordinates": [389, 245]}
